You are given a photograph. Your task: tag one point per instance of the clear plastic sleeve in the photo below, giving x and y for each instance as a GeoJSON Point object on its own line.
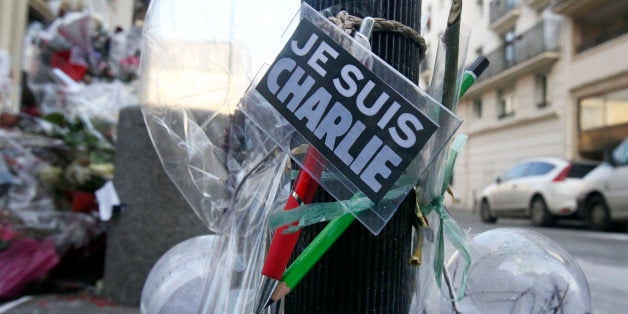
{"type": "Point", "coordinates": [228, 159]}
{"type": "Point", "coordinates": [74, 65]}
{"type": "Point", "coordinates": [338, 184]}
{"type": "Point", "coordinates": [432, 180]}
{"type": "Point", "coordinates": [197, 61]}
{"type": "Point", "coordinates": [29, 204]}
{"type": "Point", "coordinates": [230, 172]}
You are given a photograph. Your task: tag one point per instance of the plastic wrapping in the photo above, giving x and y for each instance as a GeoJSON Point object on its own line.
{"type": "Point", "coordinates": [432, 180]}
{"type": "Point", "coordinates": [25, 189]}
{"type": "Point", "coordinates": [520, 271]}
{"type": "Point", "coordinates": [74, 66]}
{"type": "Point", "coordinates": [230, 161]}
{"type": "Point", "coordinates": [175, 282]}
{"type": "Point", "coordinates": [425, 295]}
{"type": "Point", "coordinates": [98, 100]}
{"type": "Point", "coordinates": [31, 207]}
{"type": "Point", "coordinates": [197, 61]}
{"type": "Point", "coordinates": [338, 183]}
{"type": "Point", "coordinates": [431, 199]}
{"type": "Point", "coordinates": [124, 52]}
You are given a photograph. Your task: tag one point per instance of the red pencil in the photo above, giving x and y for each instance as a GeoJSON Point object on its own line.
{"type": "Point", "coordinates": [282, 245]}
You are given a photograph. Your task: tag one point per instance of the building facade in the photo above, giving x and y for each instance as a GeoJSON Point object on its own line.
{"type": "Point", "coordinates": [557, 84]}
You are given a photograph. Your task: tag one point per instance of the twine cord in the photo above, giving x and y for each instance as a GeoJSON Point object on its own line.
{"type": "Point", "coordinates": [349, 23]}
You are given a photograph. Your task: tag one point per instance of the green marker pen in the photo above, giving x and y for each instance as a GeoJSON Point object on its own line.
{"type": "Point", "coordinates": [472, 72]}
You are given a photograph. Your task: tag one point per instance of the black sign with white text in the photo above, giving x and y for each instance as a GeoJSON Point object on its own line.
{"type": "Point", "coordinates": [351, 116]}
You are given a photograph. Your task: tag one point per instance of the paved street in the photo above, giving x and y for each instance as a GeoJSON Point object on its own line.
{"type": "Point", "coordinates": [603, 256]}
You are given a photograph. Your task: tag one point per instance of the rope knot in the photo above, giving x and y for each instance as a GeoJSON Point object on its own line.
{"type": "Point", "coordinates": [348, 23]}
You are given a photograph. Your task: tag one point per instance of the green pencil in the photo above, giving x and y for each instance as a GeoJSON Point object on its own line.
{"type": "Point", "coordinates": [311, 255]}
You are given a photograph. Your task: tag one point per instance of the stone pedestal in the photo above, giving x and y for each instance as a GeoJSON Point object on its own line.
{"type": "Point", "coordinates": [156, 216]}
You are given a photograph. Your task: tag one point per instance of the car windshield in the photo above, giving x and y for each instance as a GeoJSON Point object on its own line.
{"type": "Point", "coordinates": [539, 169]}
{"type": "Point", "coordinates": [515, 172]}
{"type": "Point", "coordinates": [620, 154]}
{"type": "Point", "coordinates": [578, 171]}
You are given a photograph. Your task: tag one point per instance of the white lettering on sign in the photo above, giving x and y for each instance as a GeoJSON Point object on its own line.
{"type": "Point", "coordinates": [349, 73]}
{"type": "Point", "coordinates": [403, 123]}
{"type": "Point", "coordinates": [353, 117]}
{"type": "Point", "coordinates": [319, 55]}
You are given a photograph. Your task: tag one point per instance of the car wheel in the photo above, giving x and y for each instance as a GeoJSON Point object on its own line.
{"type": "Point", "coordinates": [598, 218]}
{"type": "Point", "coordinates": [539, 213]}
{"type": "Point", "coordinates": [485, 213]}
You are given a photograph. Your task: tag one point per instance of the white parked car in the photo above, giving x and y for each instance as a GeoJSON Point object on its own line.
{"type": "Point", "coordinates": [603, 196]}
{"type": "Point", "coordinates": [540, 188]}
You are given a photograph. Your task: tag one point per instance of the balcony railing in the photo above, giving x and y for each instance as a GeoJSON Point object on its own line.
{"type": "Point", "coordinates": [538, 4]}
{"type": "Point", "coordinates": [577, 7]}
{"type": "Point", "coordinates": [602, 36]}
{"type": "Point", "coordinates": [543, 37]}
{"type": "Point", "coordinates": [499, 8]}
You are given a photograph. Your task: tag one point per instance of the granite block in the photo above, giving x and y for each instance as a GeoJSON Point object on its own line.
{"type": "Point", "coordinates": [156, 216]}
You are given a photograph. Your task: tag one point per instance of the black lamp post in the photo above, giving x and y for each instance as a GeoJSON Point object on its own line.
{"type": "Point", "coordinates": [363, 273]}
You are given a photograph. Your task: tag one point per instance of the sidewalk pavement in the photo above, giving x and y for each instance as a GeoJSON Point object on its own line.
{"type": "Point", "coordinates": [82, 302]}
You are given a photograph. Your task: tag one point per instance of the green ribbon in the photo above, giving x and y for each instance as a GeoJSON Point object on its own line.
{"type": "Point", "coordinates": [318, 212]}
{"type": "Point", "coordinates": [448, 226]}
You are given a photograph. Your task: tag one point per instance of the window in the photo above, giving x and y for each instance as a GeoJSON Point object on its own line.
{"type": "Point", "coordinates": [540, 91]}
{"type": "Point", "coordinates": [477, 108]}
{"type": "Point", "coordinates": [607, 109]}
{"type": "Point", "coordinates": [509, 48]}
{"type": "Point", "coordinates": [620, 154]}
{"type": "Point", "coordinates": [515, 172]}
{"type": "Point", "coordinates": [539, 169]}
{"type": "Point", "coordinates": [600, 25]}
{"type": "Point", "coordinates": [511, 3]}
{"type": "Point", "coordinates": [578, 170]}
{"type": "Point", "coordinates": [506, 102]}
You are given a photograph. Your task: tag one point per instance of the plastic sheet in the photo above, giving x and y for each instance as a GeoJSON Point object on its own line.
{"type": "Point", "coordinates": [175, 282]}
{"type": "Point", "coordinates": [74, 66]}
{"type": "Point", "coordinates": [25, 189]}
{"type": "Point", "coordinates": [197, 61]}
{"type": "Point", "coordinates": [520, 271]}
{"type": "Point", "coordinates": [432, 180]}
{"type": "Point", "coordinates": [430, 190]}
{"type": "Point", "coordinates": [340, 185]}
{"type": "Point", "coordinates": [31, 206]}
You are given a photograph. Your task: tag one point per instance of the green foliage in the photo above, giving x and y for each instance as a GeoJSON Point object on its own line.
{"type": "Point", "coordinates": [87, 162]}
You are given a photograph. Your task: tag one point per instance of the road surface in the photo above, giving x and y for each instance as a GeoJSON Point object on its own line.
{"type": "Point", "coordinates": [603, 256]}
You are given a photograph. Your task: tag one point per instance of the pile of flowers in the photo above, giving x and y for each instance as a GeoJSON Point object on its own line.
{"type": "Point", "coordinates": [59, 149]}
